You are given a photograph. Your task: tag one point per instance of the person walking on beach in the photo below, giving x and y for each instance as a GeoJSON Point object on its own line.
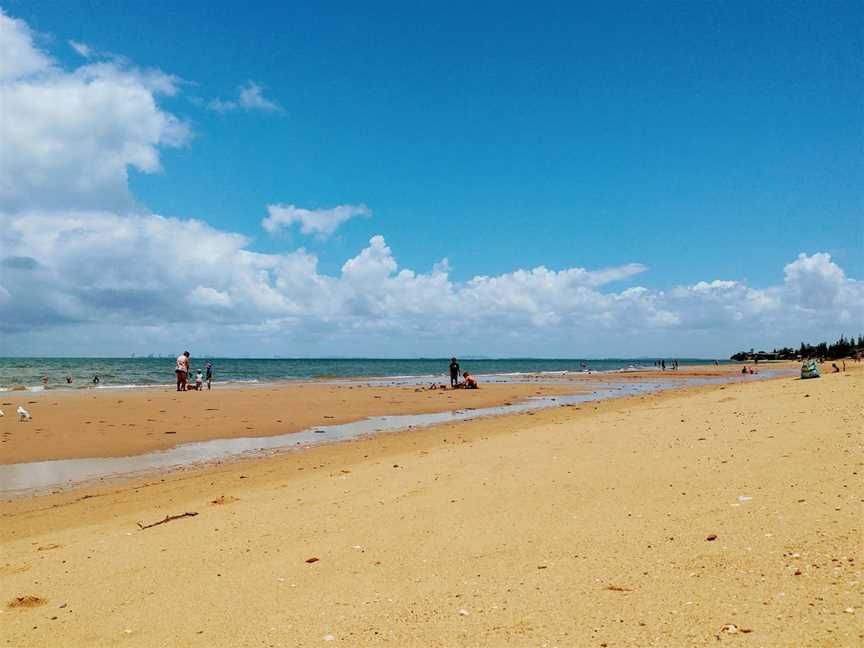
{"type": "Point", "coordinates": [209, 374]}
{"type": "Point", "coordinates": [454, 372]}
{"type": "Point", "coordinates": [182, 370]}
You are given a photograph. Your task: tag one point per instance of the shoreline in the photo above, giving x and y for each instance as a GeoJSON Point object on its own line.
{"type": "Point", "coordinates": [76, 425]}
{"type": "Point", "coordinates": [567, 526]}
{"type": "Point", "coordinates": [412, 379]}
{"type": "Point", "coordinates": [555, 415]}
{"type": "Point", "coordinates": [103, 459]}
{"type": "Point", "coordinates": [86, 428]}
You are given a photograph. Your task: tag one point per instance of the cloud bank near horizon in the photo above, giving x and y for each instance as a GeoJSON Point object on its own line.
{"type": "Point", "coordinates": [83, 269]}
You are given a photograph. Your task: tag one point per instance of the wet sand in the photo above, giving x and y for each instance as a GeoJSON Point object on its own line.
{"type": "Point", "coordinates": [120, 423]}
{"type": "Point", "coordinates": [704, 516]}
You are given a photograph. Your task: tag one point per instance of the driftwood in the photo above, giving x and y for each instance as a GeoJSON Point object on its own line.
{"type": "Point", "coordinates": [168, 518]}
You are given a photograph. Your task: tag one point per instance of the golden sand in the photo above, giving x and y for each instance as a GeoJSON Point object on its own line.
{"type": "Point", "coordinates": [704, 516]}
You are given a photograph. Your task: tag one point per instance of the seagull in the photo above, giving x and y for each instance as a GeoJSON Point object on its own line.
{"type": "Point", "coordinates": [23, 414]}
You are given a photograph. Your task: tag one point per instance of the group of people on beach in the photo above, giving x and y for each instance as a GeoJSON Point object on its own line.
{"type": "Point", "coordinates": [468, 381]}
{"type": "Point", "coordinates": [70, 380]}
{"type": "Point", "coordinates": [457, 381]}
{"type": "Point", "coordinates": [182, 371]}
{"type": "Point", "coordinates": [661, 364]}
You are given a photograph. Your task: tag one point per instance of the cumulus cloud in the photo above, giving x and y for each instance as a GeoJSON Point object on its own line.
{"type": "Point", "coordinates": [18, 56]}
{"type": "Point", "coordinates": [70, 136]}
{"type": "Point", "coordinates": [90, 268]}
{"type": "Point", "coordinates": [319, 222]}
{"type": "Point", "coordinates": [250, 96]}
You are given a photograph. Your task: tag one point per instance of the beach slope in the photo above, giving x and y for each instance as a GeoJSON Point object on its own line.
{"type": "Point", "coordinates": [706, 516]}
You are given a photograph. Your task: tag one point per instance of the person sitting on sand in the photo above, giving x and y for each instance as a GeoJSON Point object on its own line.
{"type": "Point", "coordinates": [835, 367]}
{"type": "Point", "coordinates": [469, 383]}
{"type": "Point", "coordinates": [744, 370]}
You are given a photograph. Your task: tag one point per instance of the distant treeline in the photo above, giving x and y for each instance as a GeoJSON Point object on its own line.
{"type": "Point", "coordinates": [842, 348]}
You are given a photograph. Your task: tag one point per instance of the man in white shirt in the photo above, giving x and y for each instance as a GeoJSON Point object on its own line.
{"type": "Point", "coordinates": [182, 370]}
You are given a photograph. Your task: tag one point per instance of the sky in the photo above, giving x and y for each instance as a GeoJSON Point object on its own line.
{"type": "Point", "coordinates": [319, 179]}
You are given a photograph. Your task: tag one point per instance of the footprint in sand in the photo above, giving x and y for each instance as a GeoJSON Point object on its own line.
{"type": "Point", "coordinates": [14, 569]}
{"type": "Point", "coordinates": [48, 547]}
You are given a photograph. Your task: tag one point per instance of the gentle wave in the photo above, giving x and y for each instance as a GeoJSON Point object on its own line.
{"type": "Point", "coordinates": [26, 374]}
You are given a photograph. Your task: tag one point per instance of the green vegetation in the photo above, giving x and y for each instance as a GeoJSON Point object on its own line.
{"type": "Point", "coordinates": [842, 348]}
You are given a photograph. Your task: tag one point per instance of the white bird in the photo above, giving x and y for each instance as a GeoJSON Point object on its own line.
{"type": "Point", "coordinates": [23, 414]}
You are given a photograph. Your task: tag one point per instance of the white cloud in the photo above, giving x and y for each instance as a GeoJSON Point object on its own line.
{"type": "Point", "coordinates": [93, 270]}
{"type": "Point", "coordinates": [320, 222]}
{"type": "Point", "coordinates": [81, 48]}
{"type": "Point", "coordinates": [206, 296]}
{"type": "Point", "coordinates": [818, 282]}
{"type": "Point", "coordinates": [250, 96]}
{"type": "Point", "coordinates": [18, 56]}
{"type": "Point", "coordinates": [69, 137]}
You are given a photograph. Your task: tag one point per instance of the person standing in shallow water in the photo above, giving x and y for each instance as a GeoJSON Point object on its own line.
{"type": "Point", "coordinates": [454, 372]}
{"type": "Point", "coordinates": [209, 374]}
{"type": "Point", "coordinates": [182, 370]}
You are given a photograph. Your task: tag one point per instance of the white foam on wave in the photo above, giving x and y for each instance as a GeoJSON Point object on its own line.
{"type": "Point", "coordinates": [130, 386]}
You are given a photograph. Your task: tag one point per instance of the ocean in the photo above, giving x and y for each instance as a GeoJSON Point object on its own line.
{"type": "Point", "coordinates": [28, 373]}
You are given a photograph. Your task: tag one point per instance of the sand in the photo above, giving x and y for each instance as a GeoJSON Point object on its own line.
{"type": "Point", "coordinates": [120, 423]}
{"type": "Point", "coordinates": [102, 423]}
{"type": "Point", "coordinates": [704, 516]}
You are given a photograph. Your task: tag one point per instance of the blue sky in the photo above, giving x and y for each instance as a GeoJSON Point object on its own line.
{"type": "Point", "coordinates": [703, 142]}
{"type": "Point", "coordinates": [697, 140]}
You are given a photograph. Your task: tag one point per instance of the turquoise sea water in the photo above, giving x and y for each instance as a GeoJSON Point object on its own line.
{"type": "Point", "coordinates": [27, 373]}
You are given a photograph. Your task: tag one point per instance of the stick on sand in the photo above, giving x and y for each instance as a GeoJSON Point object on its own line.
{"type": "Point", "coordinates": [168, 518]}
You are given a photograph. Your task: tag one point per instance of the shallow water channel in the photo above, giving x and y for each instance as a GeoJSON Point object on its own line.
{"type": "Point", "coordinates": [36, 477]}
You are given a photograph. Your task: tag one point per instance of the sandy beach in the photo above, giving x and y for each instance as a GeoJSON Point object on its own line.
{"type": "Point", "coordinates": [70, 424]}
{"type": "Point", "coordinates": [100, 423]}
{"type": "Point", "coordinates": [712, 514]}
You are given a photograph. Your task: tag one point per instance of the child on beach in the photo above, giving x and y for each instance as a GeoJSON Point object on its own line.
{"type": "Point", "coordinates": [199, 379]}
{"type": "Point", "coordinates": [454, 372]}
{"type": "Point", "coordinates": [470, 383]}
